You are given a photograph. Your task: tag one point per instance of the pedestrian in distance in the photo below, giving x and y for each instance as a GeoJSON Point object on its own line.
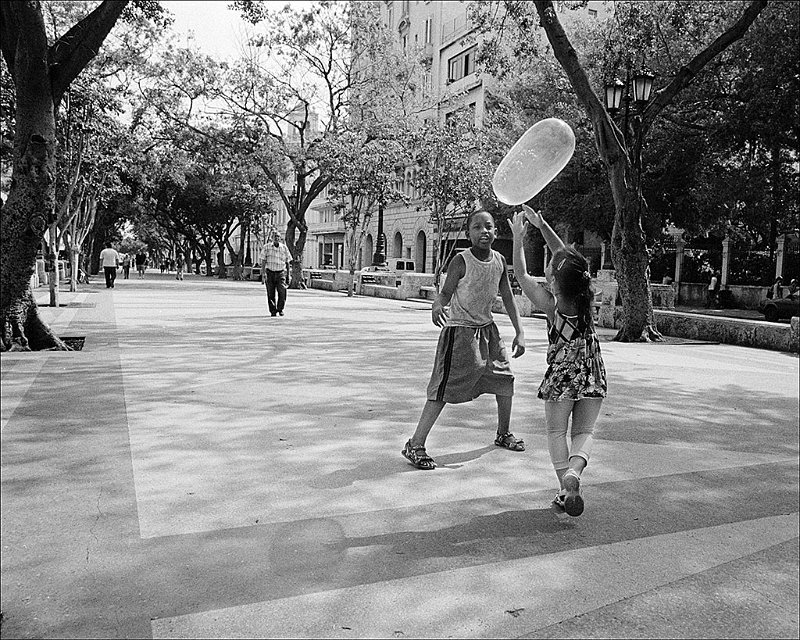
{"type": "Point", "coordinates": [792, 289]}
{"type": "Point", "coordinates": [275, 258]}
{"type": "Point", "coordinates": [713, 291]}
{"type": "Point", "coordinates": [141, 263]}
{"type": "Point", "coordinates": [574, 384]}
{"type": "Point", "coordinates": [126, 266]}
{"type": "Point", "coordinates": [776, 290]}
{"type": "Point", "coordinates": [471, 356]}
{"type": "Point", "coordinates": [109, 258]}
{"type": "Point", "coordinates": [179, 265]}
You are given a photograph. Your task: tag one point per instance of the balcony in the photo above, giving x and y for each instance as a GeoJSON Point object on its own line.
{"type": "Point", "coordinates": [333, 226]}
{"type": "Point", "coordinates": [455, 28]}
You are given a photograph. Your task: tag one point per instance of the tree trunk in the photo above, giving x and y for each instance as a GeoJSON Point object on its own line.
{"type": "Point", "coordinates": [296, 247]}
{"type": "Point", "coordinates": [41, 75]}
{"type": "Point", "coordinates": [630, 257]}
{"type": "Point", "coordinates": [31, 200]}
{"type": "Point", "coordinates": [74, 255]}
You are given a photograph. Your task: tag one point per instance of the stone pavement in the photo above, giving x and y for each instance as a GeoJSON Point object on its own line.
{"type": "Point", "coordinates": [201, 469]}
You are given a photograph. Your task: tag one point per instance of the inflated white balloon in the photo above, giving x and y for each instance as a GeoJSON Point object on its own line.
{"type": "Point", "coordinates": [534, 160]}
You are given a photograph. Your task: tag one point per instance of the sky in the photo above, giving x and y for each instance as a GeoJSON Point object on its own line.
{"type": "Point", "coordinates": [218, 31]}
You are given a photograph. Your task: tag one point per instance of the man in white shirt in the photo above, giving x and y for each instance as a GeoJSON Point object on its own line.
{"type": "Point", "coordinates": [275, 259]}
{"type": "Point", "coordinates": [109, 259]}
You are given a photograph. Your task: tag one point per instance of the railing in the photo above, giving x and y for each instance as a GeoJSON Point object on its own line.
{"type": "Point", "coordinates": [454, 28]}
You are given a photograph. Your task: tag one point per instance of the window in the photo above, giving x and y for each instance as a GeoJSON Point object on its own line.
{"type": "Point", "coordinates": [404, 40]}
{"type": "Point", "coordinates": [461, 65]}
{"type": "Point", "coordinates": [428, 30]}
{"type": "Point", "coordinates": [592, 13]}
{"type": "Point", "coordinates": [390, 17]}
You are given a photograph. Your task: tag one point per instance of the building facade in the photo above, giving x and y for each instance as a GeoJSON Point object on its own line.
{"type": "Point", "coordinates": [442, 34]}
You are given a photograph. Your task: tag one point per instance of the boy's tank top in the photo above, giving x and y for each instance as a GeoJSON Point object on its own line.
{"type": "Point", "coordinates": [471, 305]}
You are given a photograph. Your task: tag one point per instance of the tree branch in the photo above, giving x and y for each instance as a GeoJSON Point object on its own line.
{"type": "Point", "coordinates": [605, 129]}
{"type": "Point", "coordinates": [69, 54]}
{"type": "Point", "coordinates": [687, 73]}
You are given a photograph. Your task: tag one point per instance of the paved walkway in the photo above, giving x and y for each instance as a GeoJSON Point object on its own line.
{"type": "Point", "coordinates": [203, 470]}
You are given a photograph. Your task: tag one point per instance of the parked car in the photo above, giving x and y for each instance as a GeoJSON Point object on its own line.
{"type": "Point", "coordinates": [397, 264]}
{"type": "Point", "coordinates": [780, 308]}
{"type": "Point", "coordinates": [393, 264]}
{"type": "Point", "coordinates": [374, 267]}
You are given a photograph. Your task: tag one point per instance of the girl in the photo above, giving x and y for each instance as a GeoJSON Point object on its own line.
{"type": "Point", "coordinates": [575, 381]}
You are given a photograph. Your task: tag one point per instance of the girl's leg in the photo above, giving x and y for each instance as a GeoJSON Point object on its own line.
{"type": "Point", "coordinates": [557, 416]}
{"type": "Point", "coordinates": [430, 412]}
{"type": "Point", "coordinates": [584, 415]}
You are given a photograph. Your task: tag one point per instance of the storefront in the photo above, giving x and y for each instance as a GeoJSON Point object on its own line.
{"type": "Point", "coordinates": [331, 251]}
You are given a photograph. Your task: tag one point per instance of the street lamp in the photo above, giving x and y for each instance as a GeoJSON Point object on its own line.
{"type": "Point", "coordinates": [642, 87]}
{"type": "Point", "coordinates": [616, 91]}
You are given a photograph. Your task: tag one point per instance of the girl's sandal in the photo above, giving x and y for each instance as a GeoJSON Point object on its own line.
{"type": "Point", "coordinates": [573, 501]}
{"type": "Point", "coordinates": [508, 441]}
{"type": "Point", "coordinates": [558, 501]}
{"type": "Point", "coordinates": [418, 457]}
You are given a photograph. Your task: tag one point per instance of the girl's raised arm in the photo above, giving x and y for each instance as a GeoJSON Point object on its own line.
{"type": "Point", "coordinates": [554, 243]}
{"type": "Point", "coordinates": [540, 296]}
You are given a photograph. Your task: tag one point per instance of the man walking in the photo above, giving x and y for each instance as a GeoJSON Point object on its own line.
{"type": "Point", "coordinates": [275, 259]}
{"type": "Point", "coordinates": [179, 265]}
{"type": "Point", "coordinates": [141, 263]}
{"type": "Point", "coordinates": [109, 258]}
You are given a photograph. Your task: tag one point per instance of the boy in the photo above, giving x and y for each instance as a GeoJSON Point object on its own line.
{"type": "Point", "coordinates": [471, 357]}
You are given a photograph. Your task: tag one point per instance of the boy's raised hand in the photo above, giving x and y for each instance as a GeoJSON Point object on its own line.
{"type": "Point", "coordinates": [518, 224]}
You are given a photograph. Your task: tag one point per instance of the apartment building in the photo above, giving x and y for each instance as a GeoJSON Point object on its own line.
{"type": "Point", "coordinates": [441, 34]}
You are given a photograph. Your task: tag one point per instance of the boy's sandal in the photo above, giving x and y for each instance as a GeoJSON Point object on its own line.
{"type": "Point", "coordinates": [508, 441]}
{"type": "Point", "coordinates": [418, 457]}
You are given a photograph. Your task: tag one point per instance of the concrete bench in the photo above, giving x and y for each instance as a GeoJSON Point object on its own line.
{"type": "Point", "coordinates": [321, 275]}
{"type": "Point", "coordinates": [427, 293]}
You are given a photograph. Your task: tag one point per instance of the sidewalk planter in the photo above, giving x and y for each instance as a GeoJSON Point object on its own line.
{"type": "Point", "coordinates": [411, 286]}
{"type": "Point", "coordinates": [320, 279]}
{"type": "Point", "coordinates": [745, 333]}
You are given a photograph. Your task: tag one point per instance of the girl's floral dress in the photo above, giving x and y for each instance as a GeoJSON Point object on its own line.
{"type": "Point", "coordinates": [576, 368]}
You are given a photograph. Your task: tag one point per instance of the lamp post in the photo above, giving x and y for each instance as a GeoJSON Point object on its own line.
{"type": "Point", "coordinates": [379, 257]}
{"type": "Point", "coordinates": [636, 89]}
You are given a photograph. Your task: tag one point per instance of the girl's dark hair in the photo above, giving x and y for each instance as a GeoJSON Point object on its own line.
{"type": "Point", "coordinates": [571, 273]}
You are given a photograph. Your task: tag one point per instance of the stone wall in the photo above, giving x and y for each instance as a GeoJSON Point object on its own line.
{"type": "Point", "coordinates": [748, 333]}
{"type": "Point", "coordinates": [745, 333]}
{"type": "Point", "coordinates": [693, 294]}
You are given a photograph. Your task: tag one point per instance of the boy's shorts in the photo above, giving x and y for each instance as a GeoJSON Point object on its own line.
{"type": "Point", "coordinates": [470, 361]}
